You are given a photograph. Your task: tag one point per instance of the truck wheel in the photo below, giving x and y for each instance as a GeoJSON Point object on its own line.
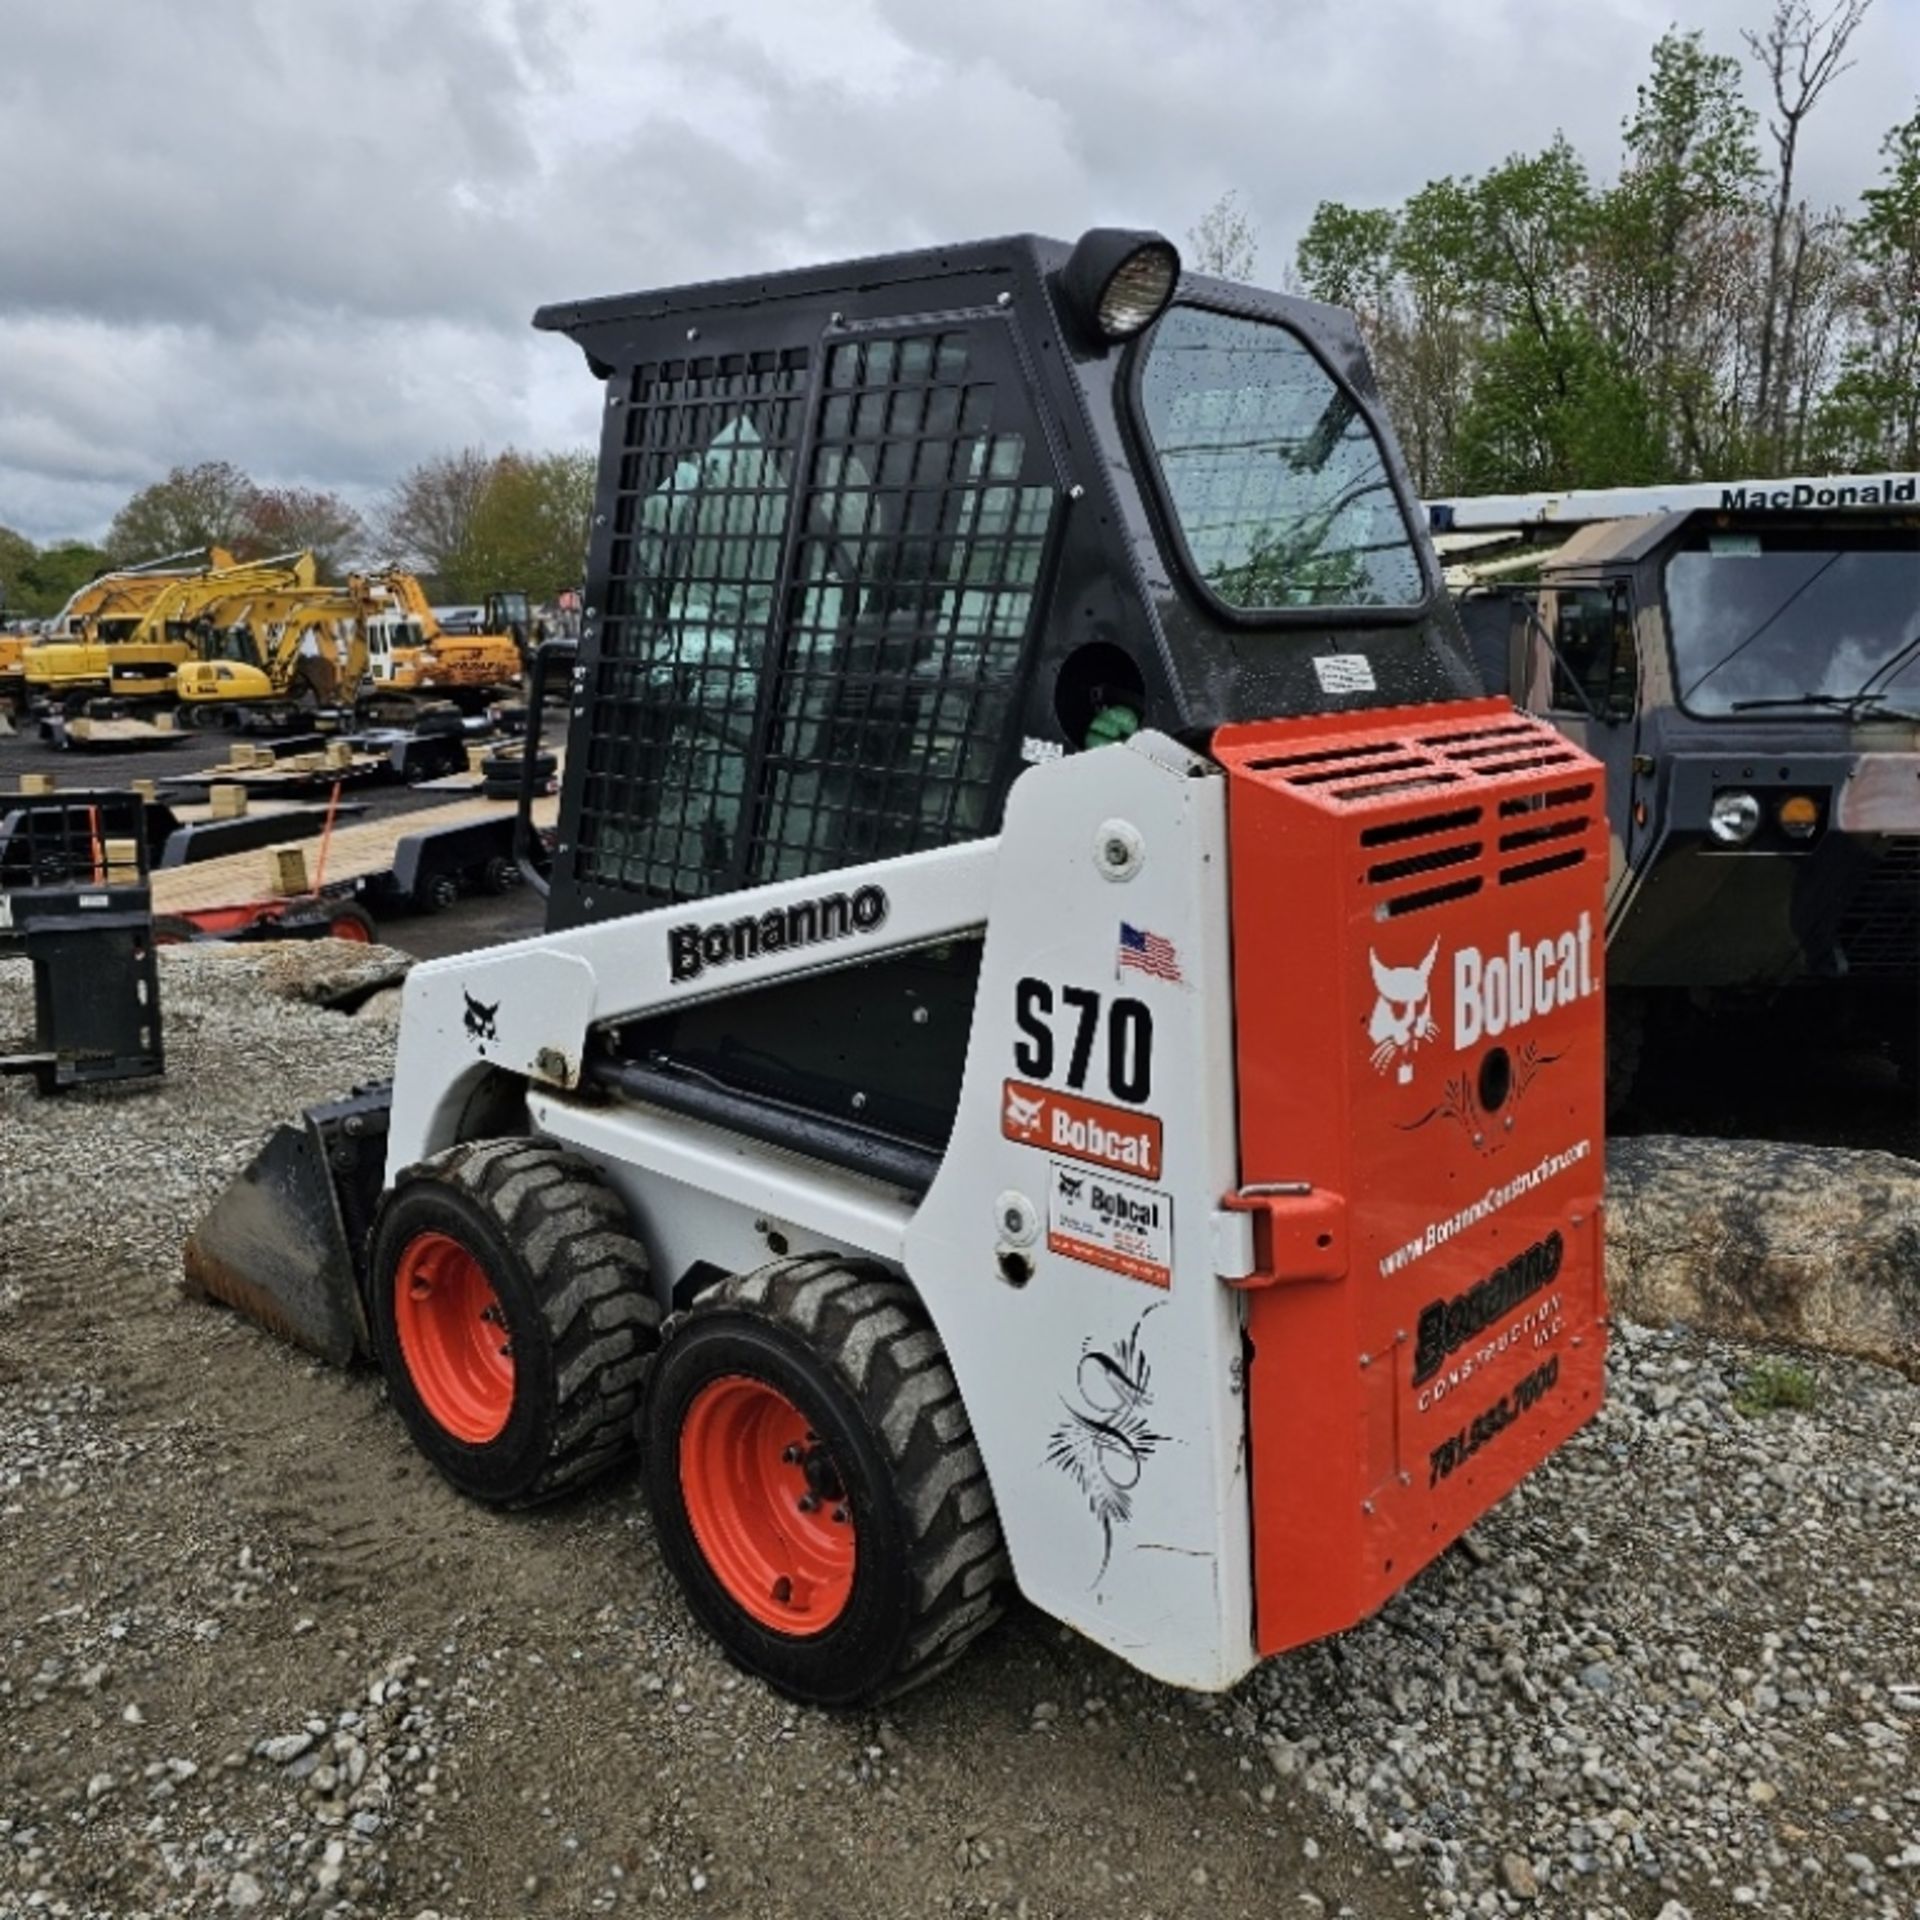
{"type": "Point", "coordinates": [346, 921]}
{"type": "Point", "coordinates": [815, 1483]}
{"type": "Point", "coordinates": [437, 893]}
{"type": "Point", "coordinates": [500, 875]}
{"type": "Point", "coordinates": [511, 1315]}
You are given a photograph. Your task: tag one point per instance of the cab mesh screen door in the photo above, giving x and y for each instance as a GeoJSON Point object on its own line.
{"type": "Point", "coordinates": [815, 628]}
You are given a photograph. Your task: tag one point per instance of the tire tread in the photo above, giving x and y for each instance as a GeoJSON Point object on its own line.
{"type": "Point", "coordinates": [868, 1327]}
{"type": "Point", "coordinates": [590, 1282]}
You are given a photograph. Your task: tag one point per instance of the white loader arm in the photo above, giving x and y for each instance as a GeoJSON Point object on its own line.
{"type": "Point", "coordinates": [526, 1009]}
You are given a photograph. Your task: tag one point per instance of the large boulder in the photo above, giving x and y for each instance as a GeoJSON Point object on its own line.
{"type": "Point", "coordinates": [1819, 1246]}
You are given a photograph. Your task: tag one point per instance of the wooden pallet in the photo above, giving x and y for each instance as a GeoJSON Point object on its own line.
{"type": "Point", "coordinates": [356, 853]}
{"type": "Point", "coordinates": [196, 813]}
{"type": "Point", "coordinates": [363, 768]}
{"type": "Point", "coordinates": [117, 735]}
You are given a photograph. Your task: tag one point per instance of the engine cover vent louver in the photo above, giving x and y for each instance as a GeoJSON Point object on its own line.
{"type": "Point", "coordinates": [1482, 802]}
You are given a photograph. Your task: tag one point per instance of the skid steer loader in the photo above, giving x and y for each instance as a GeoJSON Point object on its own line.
{"type": "Point", "coordinates": [1067, 1053]}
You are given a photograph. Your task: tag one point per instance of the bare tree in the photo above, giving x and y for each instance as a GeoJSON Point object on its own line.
{"type": "Point", "coordinates": [427, 518]}
{"type": "Point", "coordinates": [286, 519]}
{"type": "Point", "coordinates": [1226, 242]}
{"type": "Point", "coordinates": [1801, 53]}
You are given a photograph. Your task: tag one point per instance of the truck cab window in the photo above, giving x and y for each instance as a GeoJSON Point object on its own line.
{"type": "Point", "coordinates": [1276, 479]}
{"type": "Point", "coordinates": [1800, 620]}
{"type": "Point", "coordinates": [1594, 663]}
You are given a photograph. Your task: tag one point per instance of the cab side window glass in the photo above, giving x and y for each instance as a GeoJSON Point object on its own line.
{"type": "Point", "coordinates": [1593, 652]}
{"type": "Point", "coordinates": [1277, 479]}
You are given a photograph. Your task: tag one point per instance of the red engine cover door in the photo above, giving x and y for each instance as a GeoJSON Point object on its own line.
{"type": "Point", "coordinates": [1418, 914]}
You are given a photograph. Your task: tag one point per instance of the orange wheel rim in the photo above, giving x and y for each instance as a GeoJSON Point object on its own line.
{"type": "Point", "coordinates": [347, 928]}
{"type": "Point", "coordinates": [453, 1337]}
{"type": "Point", "coordinates": [767, 1506]}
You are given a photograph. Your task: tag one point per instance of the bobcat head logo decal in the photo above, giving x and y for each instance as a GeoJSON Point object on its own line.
{"type": "Point", "coordinates": [480, 1018]}
{"type": "Point", "coordinates": [1402, 1014]}
{"type": "Point", "coordinates": [1024, 1115]}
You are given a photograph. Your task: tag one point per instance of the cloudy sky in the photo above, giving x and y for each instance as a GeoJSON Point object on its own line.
{"type": "Point", "coordinates": [306, 235]}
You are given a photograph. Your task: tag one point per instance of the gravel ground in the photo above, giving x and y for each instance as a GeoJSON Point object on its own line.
{"type": "Point", "coordinates": [254, 1656]}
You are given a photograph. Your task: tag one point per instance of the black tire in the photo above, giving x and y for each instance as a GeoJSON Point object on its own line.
{"type": "Point", "coordinates": [332, 920]}
{"type": "Point", "coordinates": [507, 766]}
{"type": "Point", "coordinates": [174, 930]}
{"type": "Point", "coordinates": [500, 875]}
{"type": "Point", "coordinates": [436, 893]}
{"type": "Point", "coordinates": [851, 1348]}
{"type": "Point", "coordinates": [572, 1286]}
{"type": "Point", "coordinates": [351, 915]}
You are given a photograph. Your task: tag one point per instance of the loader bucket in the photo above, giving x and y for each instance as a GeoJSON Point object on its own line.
{"type": "Point", "coordinates": [286, 1243]}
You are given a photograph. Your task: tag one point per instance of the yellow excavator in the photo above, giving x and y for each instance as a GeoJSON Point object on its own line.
{"type": "Point", "coordinates": [277, 654]}
{"type": "Point", "coordinates": [13, 681]}
{"type": "Point", "coordinates": [128, 634]}
{"type": "Point", "coordinates": [103, 609]}
{"type": "Point", "coordinates": [411, 651]}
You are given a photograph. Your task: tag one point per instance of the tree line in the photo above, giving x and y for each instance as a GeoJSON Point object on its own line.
{"type": "Point", "coordinates": [1694, 318]}
{"type": "Point", "coordinates": [469, 523]}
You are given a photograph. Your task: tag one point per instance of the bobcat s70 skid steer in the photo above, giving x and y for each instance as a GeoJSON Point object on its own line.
{"type": "Point", "coordinates": [1067, 1052]}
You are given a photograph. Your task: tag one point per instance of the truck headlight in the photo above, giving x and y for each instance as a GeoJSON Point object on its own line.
{"type": "Point", "coordinates": [1734, 818]}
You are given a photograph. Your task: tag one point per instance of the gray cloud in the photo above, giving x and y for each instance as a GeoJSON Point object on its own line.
{"type": "Point", "coordinates": [308, 239]}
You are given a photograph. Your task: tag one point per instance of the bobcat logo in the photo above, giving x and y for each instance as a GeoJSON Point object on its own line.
{"type": "Point", "coordinates": [480, 1018]}
{"type": "Point", "coordinates": [1070, 1189]}
{"type": "Point", "coordinates": [1024, 1116]}
{"type": "Point", "coordinates": [1403, 1013]}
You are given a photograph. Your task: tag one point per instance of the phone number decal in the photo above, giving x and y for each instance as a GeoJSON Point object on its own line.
{"type": "Point", "coordinates": [1486, 1427]}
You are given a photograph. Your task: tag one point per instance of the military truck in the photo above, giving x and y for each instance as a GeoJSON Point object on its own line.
{"type": "Point", "coordinates": [1745, 658]}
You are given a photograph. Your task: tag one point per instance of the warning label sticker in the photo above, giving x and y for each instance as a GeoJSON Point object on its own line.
{"type": "Point", "coordinates": [1344, 673]}
{"type": "Point", "coordinates": [1110, 1223]}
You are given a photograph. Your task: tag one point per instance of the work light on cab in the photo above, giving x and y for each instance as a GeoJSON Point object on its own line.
{"type": "Point", "coordinates": [1733, 818]}
{"type": "Point", "coordinates": [1117, 280]}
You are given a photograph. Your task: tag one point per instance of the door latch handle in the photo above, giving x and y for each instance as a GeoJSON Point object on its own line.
{"type": "Point", "coordinates": [1299, 1233]}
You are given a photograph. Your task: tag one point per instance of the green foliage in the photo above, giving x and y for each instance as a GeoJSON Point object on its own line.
{"type": "Point", "coordinates": [1551, 409]}
{"type": "Point", "coordinates": [1872, 416]}
{"type": "Point", "coordinates": [60, 571]}
{"type": "Point", "coordinates": [1691, 138]}
{"type": "Point", "coordinates": [1535, 328]}
{"type": "Point", "coordinates": [528, 529]}
{"type": "Point", "coordinates": [471, 523]}
{"type": "Point", "coordinates": [1777, 1386]}
{"type": "Point", "coordinates": [36, 582]}
{"type": "Point", "coordinates": [203, 506]}
{"type": "Point", "coordinates": [1348, 255]}
{"type": "Point", "coordinates": [16, 555]}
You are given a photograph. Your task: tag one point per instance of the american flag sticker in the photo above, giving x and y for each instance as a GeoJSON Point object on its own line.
{"type": "Point", "coordinates": [1148, 953]}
